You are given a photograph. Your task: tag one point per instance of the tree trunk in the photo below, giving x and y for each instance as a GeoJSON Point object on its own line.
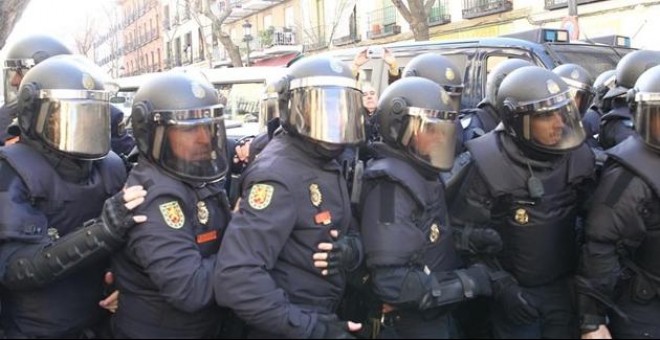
{"type": "Point", "coordinates": [232, 50]}
{"type": "Point", "coordinates": [420, 30]}
{"type": "Point", "coordinates": [10, 12]}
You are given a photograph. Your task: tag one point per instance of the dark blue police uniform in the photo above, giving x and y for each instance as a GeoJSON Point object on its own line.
{"type": "Point", "coordinates": [292, 198]}
{"type": "Point", "coordinates": [164, 272]}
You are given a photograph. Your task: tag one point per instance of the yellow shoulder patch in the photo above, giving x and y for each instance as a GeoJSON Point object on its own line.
{"type": "Point", "coordinates": [260, 196]}
{"type": "Point", "coordinates": [172, 214]}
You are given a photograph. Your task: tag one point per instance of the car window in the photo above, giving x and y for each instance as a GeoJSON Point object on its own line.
{"type": "Point", "coordinates": [242, 101]}
{"type": "Point", "coordinates": [596, 59]}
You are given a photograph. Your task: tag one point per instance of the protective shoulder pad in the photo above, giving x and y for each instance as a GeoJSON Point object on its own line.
{"type": "Point", "coordinates": [637, 158]}
{"type": "Point", "coordinates": [400, 172]}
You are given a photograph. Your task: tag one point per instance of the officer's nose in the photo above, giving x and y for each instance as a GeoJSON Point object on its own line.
{"type": "Point", "coordinates": [202, 134]}
{"type": "Point", "coordinates": [557, 120]}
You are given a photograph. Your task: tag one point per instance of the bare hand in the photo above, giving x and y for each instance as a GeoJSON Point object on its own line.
{"type": "Point", "coordinates": [321, 258]}
{"type": "Point", "coordinates": [111, 302]}
{"type": "Point", "coordinates": [601, 333]}
{"type": "Point", "coordinates": [242, 152]}
{"type": "Point", "coordinates": [361, 58]}
{"type": "Point", "coordinates": [388, 57]}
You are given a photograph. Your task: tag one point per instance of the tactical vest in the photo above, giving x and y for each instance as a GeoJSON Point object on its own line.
{"type": "Point", "coordinates": [438, 253]}
{"type": "Point", "coordinates": [644, 163]}
{"type": "Point", "coordinates": [67, 206]}
{"type": "Point", "coordinates": [539, 234]}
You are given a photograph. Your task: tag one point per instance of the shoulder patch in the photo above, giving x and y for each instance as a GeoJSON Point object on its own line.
{"type": "Point", "coordinates": [172, 214]}
{"type": "Point", "coordinates": [260, 196]}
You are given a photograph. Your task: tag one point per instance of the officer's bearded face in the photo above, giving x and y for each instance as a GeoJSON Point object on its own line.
{"type": "Point", "coordinates": [191, 144]}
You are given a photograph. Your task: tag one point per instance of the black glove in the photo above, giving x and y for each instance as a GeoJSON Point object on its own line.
{"type": "Point", "coordinates": [117, 218]}
{"type": "Point", "coordinates": [513, 300]}
{"type": "Point", "coordinates": [330, 327]}
{"type": "Point", "coordinates": [344, 254]}
{"type": "Point", "coordinates": [481, 241]}
{"type": "Point", "coordinates": [479, 280]}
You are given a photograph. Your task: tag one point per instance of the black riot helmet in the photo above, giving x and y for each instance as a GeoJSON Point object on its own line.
{"type": "Point", "coordinates": [580, 82]}
{"type": "Point", "coordinates": [417, 116]}
{"type": "Point", "coordinates": [320, 101]}
{"type": "Point", "coordinates": [646, 94]}
{"type": "Point", "coordinates": [178, 125]}
{"type": "Point", "coordinates": [538, 110]}
{"type": "Point", "coordinates": [603, 84]}
{"type": "Point", "coordinates": [440, 70]}
{"type": "Point", "coordinates": [630, 67]}
{"type": "Point", "coordinates": [23, 55]}
{"type": "Point", "coordinates": [64, 103]}
{"type": "Point", "coordinates": [498, 74]}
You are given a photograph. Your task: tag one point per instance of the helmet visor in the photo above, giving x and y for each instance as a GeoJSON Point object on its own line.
{"type": "Point", "coordinates": [327, 114]}
{"type": "Point", "coordinates": [77, 127]}
{"type": "Point", "coordinates": [553, 124]}
{"type": "Point", "coordinates": [12, 80]}
{"type": "Point", "coordinates": [431, 137]}
{"type": "Point", "coordinates": [269, 109]}
{"type": "Point", "coordinates": [647, 121]}
{"type": "Point", "coordinates": [583, 99]}
{"type": "Point", "coordinates": [193, 149]}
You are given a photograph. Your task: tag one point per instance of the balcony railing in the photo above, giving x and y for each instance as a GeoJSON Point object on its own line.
{"type": "Point", "coordinates": [554, 4]}
{"type": "Point", "coordinates": [347, 39]}
{"type": "Point", "coordinates": [480, 8]}
{"type": "Point", "coordinates": [277, 36]}
{"type": "Point", "coordinates": [439, 14]}
{"type": "Point", "coordinates": [382, 23]}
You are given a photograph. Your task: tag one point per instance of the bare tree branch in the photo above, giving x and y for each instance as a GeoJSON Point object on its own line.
{"type": "Point", "coordinates": [428, 5]}
{"type": "Point", "coordinates": [224, 38]}
{"type": "Point", "coordinates": [405, 12]}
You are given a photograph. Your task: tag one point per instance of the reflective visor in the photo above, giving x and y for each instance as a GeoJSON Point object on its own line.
{"type": "Point", "coordinates": [583, 99]}
{"type": "Point", "coordinates": [191, 144]}
{"type": "Point", "coordinates": [79, 127]}
{"type": "Point", "coordinates": [12, 79]}
{"type": "Point", "coordinates": [647, 122]}
{"type": "Point", "coordinates": [557, 127]}
{"type": "Point", "coordinates": [268, 110]}
{"type": "Point", "coordinates": [328, 114]}
{"type": "Point", "coordinates": [431, 137]}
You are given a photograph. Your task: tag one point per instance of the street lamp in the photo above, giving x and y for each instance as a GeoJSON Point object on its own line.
{"type": "Point", "coordinates": [247, 37]}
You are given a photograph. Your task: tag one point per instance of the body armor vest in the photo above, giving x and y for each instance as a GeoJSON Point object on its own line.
{"type": "Point", "coordinates": [644, 163]}
{"type": "Point", "coordinates": [538, 233]}
{"type": "Point", "coordinates": [67, 206]}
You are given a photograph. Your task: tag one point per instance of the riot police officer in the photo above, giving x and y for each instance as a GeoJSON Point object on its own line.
{"type": "Point", "coordinates": [580, 82]}
{"type": "Point", "coordinates": [295, 204]}
{"type": "Point", "coordinates": [591, 120]}
{"type": "Point", "coordinates": [620, 269]}
{"type": "Point", "coordinates": [527, 181]}
{"type": "Point", "coordinates": [408, 244]}
{"type": "Point", "coordinates": [165, 270]}
{"type": "Point", "coordinates": [21, 56]}
{"type": "Point", "coordinates": [55, 179]}
{"type": "Point", "coordinates": [618, 123]}
{"type": "Point", "coordinates": [484, 118]}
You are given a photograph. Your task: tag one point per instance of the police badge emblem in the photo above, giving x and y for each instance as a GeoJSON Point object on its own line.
{"type": "Point", "coordinates": [521, 216]}
{"type": "Point", "coordinates": [197, 90]}
{"type": "Point", "coordinates": [260, 196]}
{"type": "Point", "coordinates": [202, 212]}
{"type": "Point", "coordinates": [172, 214]}
{"type": "Point", "coordinates": [315, 194]}
{"type": "Point", "coordinates": [449, 74]}
{"type": "Point", "coordinates": [87, 81]}
{"type": "Point", "coordinates": [434, 235]}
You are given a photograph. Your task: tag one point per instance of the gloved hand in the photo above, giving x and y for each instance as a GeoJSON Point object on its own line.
{"type": "Point", "coordinates": [513, 300]}
{"type": "Point", "coordinates": [480, 241]}
{"type": "Point", "coordinates": [339, 255]}
{"type": "Point", "coordinates": [478, 281]}
{"type": "Point", "coordinates": [117, 215]}
{"type": "Point", "coordinates": [330, 327]}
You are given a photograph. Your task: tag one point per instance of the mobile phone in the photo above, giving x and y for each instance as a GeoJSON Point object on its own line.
{"type": "Point", "coordinates": [375, 52]}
